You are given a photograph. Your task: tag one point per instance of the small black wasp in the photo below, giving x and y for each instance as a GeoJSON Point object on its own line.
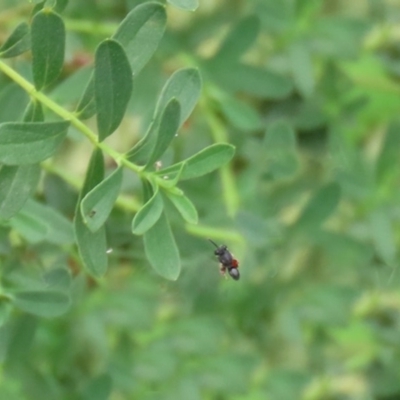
{"type": "Point", "coordinates": [227, 262]}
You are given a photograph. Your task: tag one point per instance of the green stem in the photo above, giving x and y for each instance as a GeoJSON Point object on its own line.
{"type": "Point", "coordinates": [219, 234]}
{"type": "Point", "coordinates": [229, 190]}
{"type": "Point", "coordinates": [79, 125]}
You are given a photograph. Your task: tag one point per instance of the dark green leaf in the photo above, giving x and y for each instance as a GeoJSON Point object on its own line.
{"type": "Point", "coordinates": [141, 32]}
{"type": "Point", "coordinates": [17, 43]}
{"type": "Point", "coordinates": [17, 185]}
{"type": "Point", "coordinates": [30, 142]}
{"type": "Point", "coordinates": [184, 206]}
{"type": "Point", "coordinates": [189, 5]}
{"type": "Point", "coordinates": [92, 245]}
{"type": "Point", "coordinates": [48, 304]}
{"type": "Point", "coordinates": [240, 38]}
{"type": "Point", "coordinates": [167, 129]}
{"type": "Point", "coordinates": [161, 249]}
{"type": "Point", "coordinates": [96, 206]}
{"type": "Point", "coordinates": [48, 43]}
{"type": "Point", "coordinates": [202, 163]}
{"type": "Point", "coordinates": [320, 207]}
{"type": "Point", "coordinates": [112, 86]}
{"type": "Point", "coordinates": [148, 215]}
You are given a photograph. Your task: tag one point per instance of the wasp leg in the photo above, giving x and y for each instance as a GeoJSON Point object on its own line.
{"type": "Point", "coordinates": [222, 270]}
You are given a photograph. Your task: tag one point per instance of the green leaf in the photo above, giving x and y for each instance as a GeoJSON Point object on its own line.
{"type": "Point", "coordinates": [58, 278]}
{"type": "Point", "coordinates": [33, 229]}
{"type": "Point", "coordinates": [30, 142]}
{"type": "Point", "coordinates": [260, 82]}
{"type": "Point", "coordinates": [170, 183]}
{"type": "Point", "coordinates": [167, 129]}
{"type": "Point", "coordinates": [302, 69]}
{"type": "Point", "coordinates": [59, 229]}
{"type": "Point", "coordinates": [96, 206]}
{"type": "Point", "coordinates": [112, 86]}
{"type": "Point", "coordinates": [319, 207]}
{"type": "Point", "coordinates": [188, 5]}
{"type": "Point", "coordinates": [161, 249]}
{"type": "Point", "coordinates": [92, 245]}
{"type": "Point", "coordinates": [185, 207]}
{"type": "Point", "coordinates": [60, 5]}
{"type": "Point", "coordinates": [13, 101]}
{"type": "Point", "coordinates": [280, 150]}
{"type": "Point", "coordinates": [48, 43]}
{"type": "Point", "coordinates": [34, 112]}
{"type": "Point", "coordinates": [202, 163]}
{"type": "Point", "coordinates": [99, 388]}
{"type": "Point", "coordinates": [39, 222]}
{"type": "Point", "coordinates": [48, 303]}
{"type": "Point", "coordinates": [87, 104]}
{"type": "Point", "coordinates": [240, 38]}
{"type": "Point", "coordinates": [383, 237]}
{"type": "Point", "coordinates": [17, 43]}
{"type": "Point", "coordinates": [148, 215]}
{"type": "Point", "coordinates": [388, 159]}
{"type": "Point", "coordinates": [240, 114]}
{"type": "Point", "coordinates": [141, 32]}
{"type": "Point", "coordinates": [184, 86]}
{"type": "Point", "coordinates": [17, 185]}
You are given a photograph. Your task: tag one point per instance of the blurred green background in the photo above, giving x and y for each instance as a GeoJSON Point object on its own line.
{"type": "Point", "coordinates": [309, 93]}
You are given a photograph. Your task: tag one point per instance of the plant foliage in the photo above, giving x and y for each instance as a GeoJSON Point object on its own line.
{"type": "Point", "coordinates": [131, 132]}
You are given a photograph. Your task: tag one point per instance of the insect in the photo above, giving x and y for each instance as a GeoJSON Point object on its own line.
{"type": "Point", "coordinates": [227, 262]}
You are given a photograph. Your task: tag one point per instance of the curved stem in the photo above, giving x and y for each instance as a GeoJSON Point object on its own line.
{"type": "Point", "coordinates": [229, 190]}
{"type": "Point", "coordinates": [78, 124]}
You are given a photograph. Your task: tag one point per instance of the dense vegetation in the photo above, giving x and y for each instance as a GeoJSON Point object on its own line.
{"type": "Point", "coordinates": [131, 132]}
